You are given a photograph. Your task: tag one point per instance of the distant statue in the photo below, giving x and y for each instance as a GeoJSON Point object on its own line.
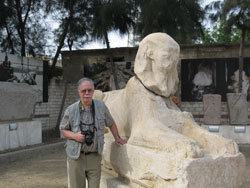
{"type": "Point", "coordinates": [204, 76]}
{"type": "Point", "coordinates": [203, 81]}
{"type": "Point", "coordinates": [6, 71]}
{"type": "Point", "coordinates": [235, 82]}
{"type": "Point", "coordinates": [29, 78]}
{"type": "Point", "coordinates": [165, 147]}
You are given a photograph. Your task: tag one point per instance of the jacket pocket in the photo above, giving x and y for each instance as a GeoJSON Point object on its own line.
{"type": "Point", "coordinates": [101, 126]}
{"type": "Point", "coordinates": [71, 147]}
{"type": "Point", "coordinates": [100, 134]}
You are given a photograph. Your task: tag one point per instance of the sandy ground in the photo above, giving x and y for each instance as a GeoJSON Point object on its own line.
{"type": "Point", "coordinates": [49, 171]}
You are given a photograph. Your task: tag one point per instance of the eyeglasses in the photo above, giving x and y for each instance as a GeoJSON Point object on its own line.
{"type": "Point", "coordinates": [86, 90]}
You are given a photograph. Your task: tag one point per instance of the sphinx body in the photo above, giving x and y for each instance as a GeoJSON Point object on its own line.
{"type": "Point", "coordinates": [165, 147]}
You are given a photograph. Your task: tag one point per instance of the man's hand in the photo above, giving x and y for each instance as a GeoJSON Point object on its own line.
{"type": "Point", "coordinates": [120, 141]}
{"type": "Point", "coordinates": [79, 137]}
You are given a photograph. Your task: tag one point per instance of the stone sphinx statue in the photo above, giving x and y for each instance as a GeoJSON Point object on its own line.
{"type": "Point", "coordinates": [165, 147]}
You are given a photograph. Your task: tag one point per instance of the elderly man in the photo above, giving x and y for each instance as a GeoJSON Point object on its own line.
{"type": "Point", "coordinates": [83, 125]}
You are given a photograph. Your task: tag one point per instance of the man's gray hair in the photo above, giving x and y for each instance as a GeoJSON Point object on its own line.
{"type": "Point", "coordinates": [84, 79]}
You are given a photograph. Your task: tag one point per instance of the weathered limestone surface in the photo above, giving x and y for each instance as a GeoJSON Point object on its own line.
{"type": "Point", "coordinates": [238, 109]}
{"type": "Point", "coordinates": [212, 109]}
{"type": "Point", "coordinates": [17, 101]}
{"type": "Point", "coordinates": [165, 147]}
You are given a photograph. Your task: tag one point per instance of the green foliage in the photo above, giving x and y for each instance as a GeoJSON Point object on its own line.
{"type": "Point", "coordinates": [234, 16]}
{"type": "Point", "coordinates": [180, 19]}
{"type": "Point", "coordinates": [218, 35]}
{"type": "Point", "coordinates": [27, 28]}
{"type": "Point", "coordinates": [237, 13]}
{"type": "Point", "coordinates": [112, 15]}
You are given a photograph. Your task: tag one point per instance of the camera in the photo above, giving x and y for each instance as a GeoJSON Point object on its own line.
{"type": "Point", "coordinates": [88, 136]}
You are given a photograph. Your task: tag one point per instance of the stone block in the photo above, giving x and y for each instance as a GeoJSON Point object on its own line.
{"type": "Point", "coordinates": [4, 141]}
{"type": "Point", "coordinates": [17, 101]}
{"type": "Point", "coordinates": [212, 109]}
{"type": "Point", "coordinates": [140, 163]}
{"type": "Point", "coordinates": [228, 131]}
{"type": "Point", "coordinates": [238, 108]}
{"type": "Point", "coordinates": [20, 134]}
{"type": "Point", "coordinates": [34, 132]}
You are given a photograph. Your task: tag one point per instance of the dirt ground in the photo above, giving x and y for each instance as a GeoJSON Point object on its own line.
{"type": "Point", "coordinates": [49, 171]}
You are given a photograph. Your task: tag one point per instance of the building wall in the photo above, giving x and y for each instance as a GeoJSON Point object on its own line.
{"type": "Point", "coordinates": [42, 114]}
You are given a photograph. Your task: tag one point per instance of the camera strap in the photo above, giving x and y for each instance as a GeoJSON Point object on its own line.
{"type": "Point", "coordinates": [92, 113]}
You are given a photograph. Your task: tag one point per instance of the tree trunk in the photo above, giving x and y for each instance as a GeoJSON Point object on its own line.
{"type": "Point", "coordinates": [23, 48]}
{"type": "Point", "coordinates": [70, 44]}
{"type": "Point", "coordinates": [57, 131]}
{"type": "Point", "coordinates": [58, 51]}
{"type": "Point", "coordinates": [241, 58]}
{"type": "Point", "coordinates": [21, 24]}
{"type": "Point", "coordinates": [61, 43]}
{"type": "Point", "coordinates": [113, 69]}
{"type": "Point", "coordinates": [10, 41]}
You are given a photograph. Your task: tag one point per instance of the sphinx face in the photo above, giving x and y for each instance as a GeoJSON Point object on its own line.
{"type": "Point", "coordinates": [156, 63]}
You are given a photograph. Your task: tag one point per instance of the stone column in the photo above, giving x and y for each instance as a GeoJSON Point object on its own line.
{"type": "Point", "coordinates": [212, 109]}
{"type": "Point", "coordinates": [238, 109]}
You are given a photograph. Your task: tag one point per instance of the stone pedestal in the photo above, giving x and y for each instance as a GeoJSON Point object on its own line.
{"type": "Point", "coordinates": [212, 109]}
{"type": "Point", "coordinates": [238, 109]}
{"type": "Point", "coordinates": [20, 134]}
{"type": "Point", "coordinates": [17, 107]}
{"type": "Point", "coordinates": [142, 166]}
{"type": "Point", "coordinates": [230, 132]}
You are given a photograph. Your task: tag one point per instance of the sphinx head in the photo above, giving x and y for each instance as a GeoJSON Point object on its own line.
{"type": "Point", "coordinates": [156, 63]}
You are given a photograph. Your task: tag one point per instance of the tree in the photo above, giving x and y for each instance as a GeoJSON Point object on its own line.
{"type": "Point", "coordinates": [22, 25]}
{"type": "Point", "coordinates": [23, 28]}
{"type": "Point", "coordinates": [111, 15]}
{"type": "Point", "coordinates": [73, 18]}
{"type": "Point", "coordinates": [180, 19]}
{"type": "Point", "coordinates": [235, 14]}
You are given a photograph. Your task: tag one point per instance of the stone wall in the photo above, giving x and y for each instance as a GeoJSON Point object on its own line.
{"type": "Point", "coordinates": [42, 114]}
{"type": "Point", "coordinates": [196, 109]}
{"type": "Point", "coordinates": [48, 112]}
